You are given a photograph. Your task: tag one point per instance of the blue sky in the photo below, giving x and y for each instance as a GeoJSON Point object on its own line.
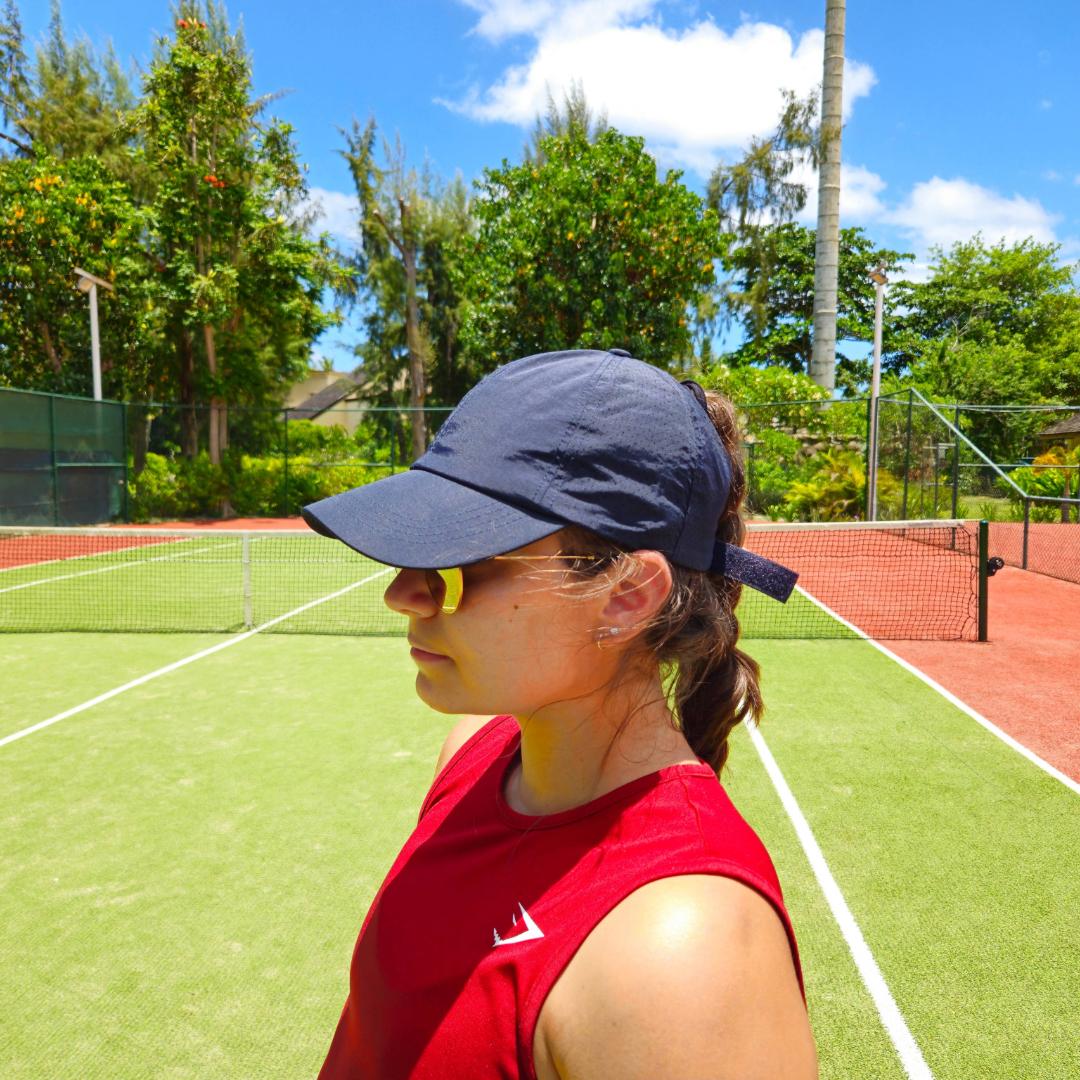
{"type": "Point", "coordinates": [961, 115]}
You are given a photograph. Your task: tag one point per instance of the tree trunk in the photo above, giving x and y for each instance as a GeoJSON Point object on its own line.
{"type": "Point", "coordinates": [50, 349]}
{"type": "Point", "coordinates": [827, 251]}
{"type": "Point", "coordinates": [417, 384]}
{"type": "Point", "coordinates": [215, 426]}
{"type": "Point", "coordinates": [188, 421]}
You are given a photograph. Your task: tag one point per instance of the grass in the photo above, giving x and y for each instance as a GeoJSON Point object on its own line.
{"type": "Point", "coordinates": [957, 856]}
{"type": "Point", "coordinates": [184, 869]}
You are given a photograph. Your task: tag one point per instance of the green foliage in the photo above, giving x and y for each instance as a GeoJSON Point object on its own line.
{"type": "Point", "coordinates": [177, 488]}
{"type": "Point", "coordinates": [586, 249]}
{"type": "Point", "coordinates": [324, 441]}
{"type": "Point", "coordinates": [575, 116]}
{"type": "Point", "coordinates": [753, 385]}
{"type": "Point", "coordinates": [68, 103]}
{"type": "Point", "coordinates": [836, 491]}
{"type": "Point", "coordinates": [759, 188]}
{"type": "Point", "coordinates": [771, 293]}
{"type": "Point", "coordinates": [992, 325]}
{"type": "Point", "coordinates": [420, 209]}
{"type": "Point", "coordinates": [56, 215]}
{"type": "Point", "coordinates": [235, 274]}
{"type": "Point", "coordinates": [1046, 477]}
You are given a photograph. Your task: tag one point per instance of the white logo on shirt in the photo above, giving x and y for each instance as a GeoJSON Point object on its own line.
{"type": "Point", "coordinates": [530, 933]}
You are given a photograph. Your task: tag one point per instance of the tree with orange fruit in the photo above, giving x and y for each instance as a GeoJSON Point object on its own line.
{"type": "Point", "coordinates": [239, 277]}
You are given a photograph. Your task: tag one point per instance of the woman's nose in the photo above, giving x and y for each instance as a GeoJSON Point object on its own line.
{"type": "Point", "coordinates": [409, 594]}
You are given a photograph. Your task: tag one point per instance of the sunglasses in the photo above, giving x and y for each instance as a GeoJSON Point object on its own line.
{"type": "Point", "coordinates": [451, 583]}
{"type": "Point", "coordinates": [448, 586]}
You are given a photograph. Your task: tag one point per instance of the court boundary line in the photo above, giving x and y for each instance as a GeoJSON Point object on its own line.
{"type": "Point", "coordinates": [892, 1019]}
{"type": "Point", "coordinates": [949, 696]}
{"type": "Point", "coordinates": [186, 660]}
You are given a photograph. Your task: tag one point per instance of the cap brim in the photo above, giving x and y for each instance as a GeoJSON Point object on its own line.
{"type": "Point", "coordinates": [421, 520]}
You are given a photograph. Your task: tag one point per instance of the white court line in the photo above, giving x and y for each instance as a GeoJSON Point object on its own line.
{"type": "Point", "coordinates": [106, 569]}
{"type": "Point", "coordinates": [892, 1019]}
{"type": "Point", "coordinates": [188, 659]}
{"type": "Point", "coordinates": [1019, 747]}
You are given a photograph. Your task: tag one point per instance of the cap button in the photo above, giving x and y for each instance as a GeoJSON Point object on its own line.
{"type": "Point", "coordinates": [619, 352]}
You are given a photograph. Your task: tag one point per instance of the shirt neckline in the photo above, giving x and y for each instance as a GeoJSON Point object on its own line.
{"type": "Point", "coordinates": [529, 822]}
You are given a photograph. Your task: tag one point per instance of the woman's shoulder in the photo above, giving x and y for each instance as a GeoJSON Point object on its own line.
{"type": "Point", "coordinates": [710, 982]}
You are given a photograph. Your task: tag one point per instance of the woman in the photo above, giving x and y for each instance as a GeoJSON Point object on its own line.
{"type": "Point", "coordinates": [579, 899]}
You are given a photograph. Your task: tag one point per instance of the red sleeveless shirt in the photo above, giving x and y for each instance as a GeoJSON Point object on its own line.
{"type": "Point", "coordinates": [485, 907]}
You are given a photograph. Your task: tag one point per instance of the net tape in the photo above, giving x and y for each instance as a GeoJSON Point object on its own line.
{"type": "Point", "coordinates": [892, 580]}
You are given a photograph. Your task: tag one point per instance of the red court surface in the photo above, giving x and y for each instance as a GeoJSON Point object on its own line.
{"type": "Point", "coordinates": [16, 551]}
{"type": "Point", "coordinates": [1026, 678]}
{"type": "Point", "coordinates": [252, 524]}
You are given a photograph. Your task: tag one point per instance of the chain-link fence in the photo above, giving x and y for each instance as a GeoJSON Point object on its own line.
{"type": "Point", "coordinates": [928, 467]}
{"type": "Point", "coordinates": [271, 462]}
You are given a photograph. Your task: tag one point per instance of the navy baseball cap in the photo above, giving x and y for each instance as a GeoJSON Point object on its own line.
{"type": "Point", "coordinates": [589, 438]}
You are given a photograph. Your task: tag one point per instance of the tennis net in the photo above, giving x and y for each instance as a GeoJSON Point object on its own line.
{"type": "Point", "coordinates": [887, 580]}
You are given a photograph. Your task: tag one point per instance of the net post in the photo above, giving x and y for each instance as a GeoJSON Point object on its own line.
{"type": "Point", "coordinates": [246, 548]}
{"type": "Point", "coordinates": [1027, 529]}
{"type": "Point", "coordinates": [984, 559]}
{"type": "Point", "coordinates": [907, 453]}
{"type": "Point", "coordinates": [956, 465]}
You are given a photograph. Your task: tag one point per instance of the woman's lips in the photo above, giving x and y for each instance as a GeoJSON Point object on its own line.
{"type": "Point", "coordinates": [422, 656]}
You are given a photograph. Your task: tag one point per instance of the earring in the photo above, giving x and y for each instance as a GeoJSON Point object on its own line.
{"type": "Point", "coordinates": [606, 636]}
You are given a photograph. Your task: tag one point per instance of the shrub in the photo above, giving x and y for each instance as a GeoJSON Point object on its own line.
{"type": "Point", "coordinates": [175, 489]}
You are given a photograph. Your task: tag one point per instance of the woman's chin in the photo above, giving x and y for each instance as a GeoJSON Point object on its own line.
{"type": "Point", "coordinates": [434, 696]}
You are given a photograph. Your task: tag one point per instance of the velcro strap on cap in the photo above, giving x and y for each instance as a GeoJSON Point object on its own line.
{"type": "Point", "coordinates": [759, 573]}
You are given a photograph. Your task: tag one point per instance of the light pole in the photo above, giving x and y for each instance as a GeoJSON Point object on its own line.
{"type": "Point", "coordinates": [877, 276]}
{"type": "Point", "coordinates": [89, 284]}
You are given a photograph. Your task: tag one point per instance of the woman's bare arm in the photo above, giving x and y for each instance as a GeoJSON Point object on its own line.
{"type": "Point", "coordinates": [689, 977]}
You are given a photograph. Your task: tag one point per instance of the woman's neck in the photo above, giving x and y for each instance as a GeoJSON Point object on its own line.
{"type": "Point", "coordinates": [577, 751]}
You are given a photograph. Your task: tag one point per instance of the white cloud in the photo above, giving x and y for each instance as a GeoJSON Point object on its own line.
{"type": "Point", "coordinates": [943, 211]}
{"type": "Point", "coordinates": [335, 212]}
{"type": "Point", "coordinates": [692, 93]}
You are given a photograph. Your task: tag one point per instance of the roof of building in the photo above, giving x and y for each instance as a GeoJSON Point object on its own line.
{"type": "Point", "coordinates": [1069, 426]}
{"type": "Point", "coordinates": [318, 403]}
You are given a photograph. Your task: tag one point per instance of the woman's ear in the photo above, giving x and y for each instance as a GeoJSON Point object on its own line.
{"type": "Point", "coordinates": [636, 598]}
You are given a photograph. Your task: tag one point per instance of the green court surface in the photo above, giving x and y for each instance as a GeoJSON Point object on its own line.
{"type": "Point", "coordinates": [184, 868]}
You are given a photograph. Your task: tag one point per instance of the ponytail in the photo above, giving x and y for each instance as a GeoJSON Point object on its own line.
{"type": "Point", "coordinates": [713, 684]}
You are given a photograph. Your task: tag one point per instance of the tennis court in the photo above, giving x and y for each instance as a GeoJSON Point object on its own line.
{"type": "Point", "coordinates": [185, 864]}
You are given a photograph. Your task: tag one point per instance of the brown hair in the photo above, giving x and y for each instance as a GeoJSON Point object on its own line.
{"type": "Point", "coordinates": [712, 683]}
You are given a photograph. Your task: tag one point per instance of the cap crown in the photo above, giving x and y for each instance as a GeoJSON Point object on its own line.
{"type": "Point", "coordinates": [595, 439]}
